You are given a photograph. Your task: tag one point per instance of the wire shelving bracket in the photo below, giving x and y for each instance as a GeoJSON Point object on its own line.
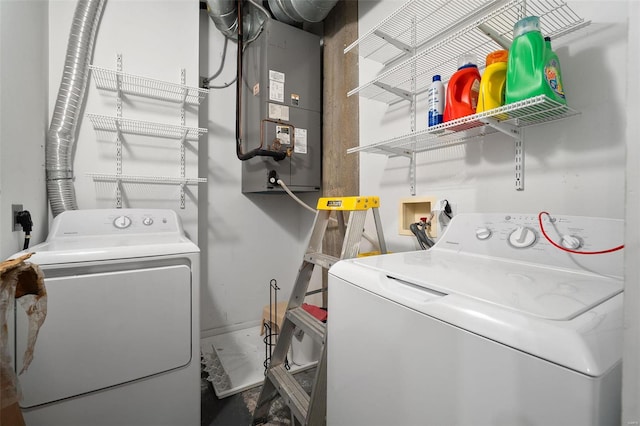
{"type": "Point", "coordinates": [105, 123]}
{"type": "Point", "coordinates": [122, 84]}
{"type": "Point", "coordinates": [426, 37]}
{"type": "Point", "coordinates": [445, 30]}
{"type": "Point", "coordinates": [510, 119]}
{"type": "Point", "coordinates": [130, 84]}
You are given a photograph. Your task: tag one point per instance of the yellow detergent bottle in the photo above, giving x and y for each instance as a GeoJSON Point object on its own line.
{"type": "Point", "coordinates": [493, 82]}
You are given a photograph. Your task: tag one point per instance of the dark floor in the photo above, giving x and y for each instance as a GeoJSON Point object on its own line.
{"type": "Point", "coordinates": [237, 410]}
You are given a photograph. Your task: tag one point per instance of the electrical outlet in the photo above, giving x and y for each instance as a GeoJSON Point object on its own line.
{"type": "Point", "coordinates": [15, 209]}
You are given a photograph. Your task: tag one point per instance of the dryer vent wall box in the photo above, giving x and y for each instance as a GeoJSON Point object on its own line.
{"type": "Point", "coordinates": [282, 104]}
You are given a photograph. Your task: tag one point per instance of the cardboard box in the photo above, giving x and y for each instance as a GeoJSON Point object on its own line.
{"type": "Point", "coordinates": [11, 416]}
{"type": "Point", "coordinates": [270, 318]}
{"type": "Point", "coordinates": [23, 282]}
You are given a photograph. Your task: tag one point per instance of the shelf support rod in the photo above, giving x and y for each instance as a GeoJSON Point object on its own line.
{"type": "Point", "coordinates": [400, 93]}
{"type": "Point", "coordinates": [507, 129]}
{"type": "Point", "coordinates": [518, 135]}
{"type": "Point", "coordinates": [519, 162]}
{"type": "Point", "coordinates": [495, 36]}
{"type": "Point", "coordinates": [412, 173]}
{"type": "Point", "coordinates": [414, 42]}
{"type": "Point", "coordinates": [392, 41]}
{"type": "Point", "coordinates": [397, 151]}
{"type": "Point", "coordinates": [118, 132]}
{"type": "Point", "coordinates": [182, 141]}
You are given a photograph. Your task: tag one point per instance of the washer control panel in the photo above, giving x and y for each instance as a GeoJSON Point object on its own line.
{"type": "Point", "coordinates": [522, 237]}
{"type": "Point", "coordinates": [519, 237]}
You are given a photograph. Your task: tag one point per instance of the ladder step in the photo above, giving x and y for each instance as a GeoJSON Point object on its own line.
{"type": "Point", "coordinates": [321, 259]}
{"type": "Point", "coordinates": [310, 409]}
{"type": "Point", "coordinates": [291, 391]}
{"type": "Point", "coordinates": [307, 323]}
{"type": "Point", "coordinates": [319, 290]}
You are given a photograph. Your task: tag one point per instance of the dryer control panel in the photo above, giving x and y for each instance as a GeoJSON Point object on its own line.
{"type": "Point", "coordinates": [104, 222]}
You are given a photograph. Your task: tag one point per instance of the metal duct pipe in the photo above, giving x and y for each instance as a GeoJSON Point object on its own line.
{"type": "Point", "coordinates": [61, 135]}
{"type": "Point", "coordinates": [291, 11]}
{"type": "Point", "coordinates": [223, 14]}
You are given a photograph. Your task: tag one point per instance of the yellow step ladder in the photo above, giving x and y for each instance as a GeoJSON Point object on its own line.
{"type": "Point", "coordinates": [310, 410]}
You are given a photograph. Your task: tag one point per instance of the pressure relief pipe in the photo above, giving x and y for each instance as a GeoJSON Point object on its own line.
{"type": "Point", "coordinates": [62, 131]}
{"type": "Point", "coordinates": [257, 152]}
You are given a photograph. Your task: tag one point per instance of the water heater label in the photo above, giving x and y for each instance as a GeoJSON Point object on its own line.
{"type": "Point", "coordinates": [301, 141]}
{"type": "Point", "coordinates": [278, 112]}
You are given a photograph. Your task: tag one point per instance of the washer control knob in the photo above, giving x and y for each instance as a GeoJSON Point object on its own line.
{"type": "Point", "coordinates": [147, 221]}
{"type": "Point", "coordinates": [122, 222]}
{"type": "Point", "coordinates": [571, 242]}
{"type": "Point", "coordinates": [483, 233]}
{"type": "Point", "coordinates": [522, 237]}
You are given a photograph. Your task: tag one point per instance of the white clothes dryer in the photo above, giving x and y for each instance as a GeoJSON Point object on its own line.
{"type": "Point", "coordinates": [120, 344]}
{"type": "Point", "coordinates": [492, 326]}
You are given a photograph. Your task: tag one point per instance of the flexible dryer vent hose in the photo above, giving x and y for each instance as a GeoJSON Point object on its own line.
{"type": "Point", "coordinates": [61, 134]}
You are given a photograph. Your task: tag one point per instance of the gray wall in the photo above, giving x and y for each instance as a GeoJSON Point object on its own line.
{"type": "Point", "coordinates": [574, 166]}
{"type": "Point", "coordinates": [156, 40]}
{"type": "Point", "coordinates": [23, 117]}
{"type": "Point", "coordinates": [585, 165]}
{"type": "Point", "coordinates": [247, 239]}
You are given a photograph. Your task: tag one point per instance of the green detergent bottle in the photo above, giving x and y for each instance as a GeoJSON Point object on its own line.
{"type": "Point", "coordinates": [553, 73]}
{"type": "Point", "coordinates": [533, 69]}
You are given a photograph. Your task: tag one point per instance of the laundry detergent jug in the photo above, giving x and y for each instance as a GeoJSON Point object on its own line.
{"type": "Point", "coordinates": [493, 81]}
{"type": "Point", "coordinates": [462, 90]}
{"type": "Point", "coordinates": [531, 69]}
{"type": "Point", "coordinates": [553, 73]}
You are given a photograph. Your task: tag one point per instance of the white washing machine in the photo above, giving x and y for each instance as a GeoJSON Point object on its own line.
{"type": "Point", "coordinates": [120, 344]}
{"type": "Point", "coordinates": [492, 326]}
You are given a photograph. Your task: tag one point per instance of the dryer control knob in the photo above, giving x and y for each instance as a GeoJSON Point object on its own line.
{"type": "Point", "coordinates": [122, 222]}
{"type": "Point", "coordinates": [571, 242]}
{"type": "Point", "coordinates": [147, 221]}
{"type": "Point", "coordinates": [483, 233]}
{"type": "Point", "coordinates": [522, 237]}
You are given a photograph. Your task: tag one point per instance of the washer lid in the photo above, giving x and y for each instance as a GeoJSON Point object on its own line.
{"type": "Point", "coordinates": [568, 318]}
{"type": "Point", "coordinates": [533, 290]}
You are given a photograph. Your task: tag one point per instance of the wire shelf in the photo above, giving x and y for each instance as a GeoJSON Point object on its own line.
{"type": "Point", "coordinates": [145, 179]}
{"type": "Point", "coordinates": [106, 123]}
{"type": "Point", "coordinates": [445, 30]}
{"type": "Point", "coordinates": [428, 17]}
{"type": "Point", "coordinates": [524, 113]}
{"type": "Point", "coordinates": [111, 80]}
